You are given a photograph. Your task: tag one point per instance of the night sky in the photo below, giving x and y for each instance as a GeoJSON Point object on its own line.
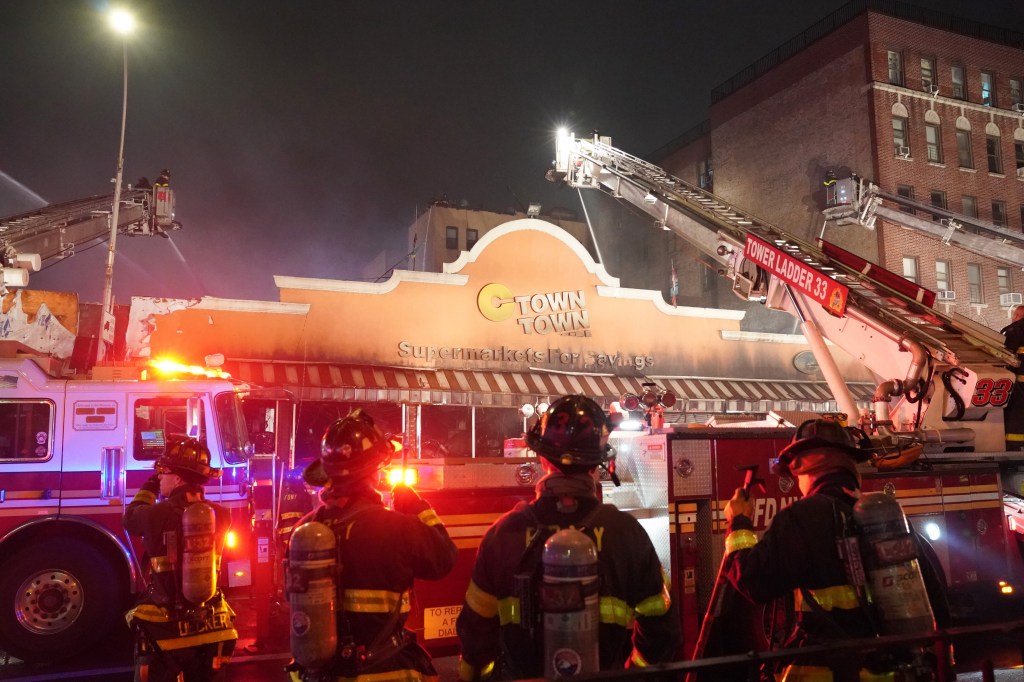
{"type": "Point", "coordinates": [303, 137]}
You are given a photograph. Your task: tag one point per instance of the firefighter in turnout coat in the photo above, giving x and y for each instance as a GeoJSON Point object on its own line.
{"type": "Point", "coordinates": [380, 552]}
{"type": "Point", "coordinates": [638, 624]}
{"type": "Point", "coordinates": [172, 634]}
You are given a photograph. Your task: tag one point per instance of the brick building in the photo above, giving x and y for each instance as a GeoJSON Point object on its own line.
{"type": "Point", "coordinates": [923, 104]}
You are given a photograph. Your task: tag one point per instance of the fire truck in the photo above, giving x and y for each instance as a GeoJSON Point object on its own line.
{"type": "Point", "coordinates": [73, 453]}
{"type": "Point", "coordinates": [947, 466]}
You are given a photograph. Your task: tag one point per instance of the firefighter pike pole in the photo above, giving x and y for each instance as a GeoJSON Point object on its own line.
{"type": "Point", "coordinates": [750, 480]}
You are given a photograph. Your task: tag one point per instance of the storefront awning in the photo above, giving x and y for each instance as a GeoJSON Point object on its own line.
{"type": "Point", "coordinates": [495, 388]}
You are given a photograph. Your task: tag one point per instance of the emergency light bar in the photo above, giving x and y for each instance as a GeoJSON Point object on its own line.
{"type": "Point", "coordinates": [171, 368]}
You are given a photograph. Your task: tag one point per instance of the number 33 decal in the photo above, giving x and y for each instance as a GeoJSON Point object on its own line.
{"type": "Point", "coordinates": [992, 392]}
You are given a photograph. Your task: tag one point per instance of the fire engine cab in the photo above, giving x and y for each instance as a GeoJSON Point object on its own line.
{"type": "Point", "coordinates": [73, 453]}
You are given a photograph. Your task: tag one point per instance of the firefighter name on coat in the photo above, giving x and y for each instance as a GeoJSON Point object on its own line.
{"type": "Point", "coordinates": [213, 621]}
{"type": "Point", "coordinates": [598, 532]}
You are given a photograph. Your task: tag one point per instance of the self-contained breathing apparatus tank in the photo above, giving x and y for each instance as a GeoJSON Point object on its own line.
{"type": "Point", "coordinates": [198, 553]}
{"type": "Point", "coordinates": [312, 595]}
{"type": "Point", "coordinates": [570, 605]}
{"type": "Point", "coordinates": [894, 581]}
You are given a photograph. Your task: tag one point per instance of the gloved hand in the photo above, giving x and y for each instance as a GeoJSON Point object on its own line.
{"type": "Point", "coordinates": [152, 484]}
{"type": "Point", "coordinates": [740, 510]}
{"type": "Point", "coordinates": [405, 500]}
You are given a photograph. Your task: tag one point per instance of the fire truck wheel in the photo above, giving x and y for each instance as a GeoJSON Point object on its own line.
{"type": "Point", "coordinates": [58, 597]}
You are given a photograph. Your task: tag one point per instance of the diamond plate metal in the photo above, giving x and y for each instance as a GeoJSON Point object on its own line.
{"type": "Point", "coordinates": [691, 467]}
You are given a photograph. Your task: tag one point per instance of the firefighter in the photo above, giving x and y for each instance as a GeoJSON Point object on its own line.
{"type": "Point", "coordinates": [638, 624]}
{"type": "Point", "coordinates": [164, 179]}
{"type": "Point", "coordinates": [798, 554]}
{"type": "Point", "coordinates": [380, 551]}
{"type": "Point", "coordinates": [296, 501]}
{"type": "Point", "coordinates": [1013, 413]}
{"type": "Point", "coordinates": [173, 634]}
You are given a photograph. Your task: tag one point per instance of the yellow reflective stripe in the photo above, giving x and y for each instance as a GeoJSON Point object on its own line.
{"type": "Point", "coordinates": [509, 611]}
{"type": "Point", "coordinates": [868, 676]}
{"type": "Point", "coordinates": [483, 603]}
{"type": "Point", "coordinates": [806, 673]}
{"type": "Point", "coordinates": [149, 612]}
{"type": "Point", "coordinates": [469, 673]}
{"type": "Point", "coordinates": [838, 597]}
{"type": "Point", "coordinates": [160, 564]}
{"type": "Point", "coordinates": [196, 640]}
{"type": "Point", "coordinates": [429, 517]}
{"type": "Point", "coordinates": [374, 601]}
{"type": "Point", "coordinates": [739, 539]}
{"type": "Point", "coordinates": [616, 612]}
{"type": "Point", "coordinates": [637, 659]}
{"type": "Point", "coordinates": [145, 497]}
{"type": "Point", "coordinates": [656, 605]}
{"type": "Point", "coordinates": [1015, 436]}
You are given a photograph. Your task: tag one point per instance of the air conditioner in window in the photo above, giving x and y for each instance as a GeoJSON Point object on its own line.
{"type": "Point", "coordinates": [903, 152]}
{"type": "Point", "coordinates": [1019, 107]}
{"type": "Point", "coordinates": [1006, 300]}
{"type": "Point", "coordinates": [1020, 172]}
{"type": "Point", "coordinates": [947, 295]}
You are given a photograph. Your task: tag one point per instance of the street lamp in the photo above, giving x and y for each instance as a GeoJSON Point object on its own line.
{"type": "Point", "coordinates": [123, 23]}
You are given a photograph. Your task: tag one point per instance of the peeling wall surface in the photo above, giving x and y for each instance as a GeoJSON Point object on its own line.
{"type": "Point", "coordinates": [142, 321]}
{"type": "Point", "coordinates": [45, 321]}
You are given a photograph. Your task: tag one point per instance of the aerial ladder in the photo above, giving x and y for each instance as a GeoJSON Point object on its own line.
{"type": "Point", "coordinates": [889, 324]}
{"type": "Point", "coordinates": [54, 232]}
{"type": "Point", "coordinates": [859, 201]}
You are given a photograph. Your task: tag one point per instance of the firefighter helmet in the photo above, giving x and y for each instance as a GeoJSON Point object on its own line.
{"type": "Point", "coordinates": [187, 456]}
{"type": "Point", "coordinates": [572, 434]}
{"type": "Point", "coordinates": [352, 448]}
{"type": "Point", "coordinates": [820, 433]}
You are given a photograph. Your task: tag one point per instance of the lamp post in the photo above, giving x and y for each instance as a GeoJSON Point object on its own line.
{"type": "Point", "coordinates": [123, 23]}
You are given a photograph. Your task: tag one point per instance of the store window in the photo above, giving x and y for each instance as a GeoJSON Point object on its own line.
{"type": "Point", "coordinates": [988, 89]}
{"type": "Point", "coordinates": [965, 155]}
{"type": "Point", "coordinates": [451, 237]}
{"type": "Point", "coordinates": [933, 140]}
{"type": "Point", "coordinates": [995, 156]}
{"type": "Point", "coordinates": [26, 429]}
{"type": "Point", "coordinates": [974, 283]}
{"type": "Point", "coordinates": [999, 212]}
{"type": "Point", "coordinates": [895, 68]}
{"type": "Point", "coordinates": [942, 282]}
{"type": "Point", "coordinates": [910, 269]}
{"type": "Point", "coordinates": [959, 82]}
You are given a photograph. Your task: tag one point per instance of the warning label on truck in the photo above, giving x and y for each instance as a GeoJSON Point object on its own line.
{"type": "Point", "coordinates": [439, 621]}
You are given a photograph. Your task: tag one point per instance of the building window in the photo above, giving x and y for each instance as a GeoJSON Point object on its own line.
{"type": "Point", "coordinates": [899, 136]}
{"type": "Point", "coordinates": [706, 175]}
{"type": "Point", "coordinates": [974, 282]}
{"type": "Point", "coordinates": [895, 68]}
{"type": "Point", "coordinates": [995, 157]}
{"type": "Point", "coordinates": [933, 138]}
{"type": "Point", "coordinates": [471, 238]}
{"type": "Point", "coordinates": [451, 237]}
{"type": "Point", "coordinates": [959, 82]}
{"type": "Point", "coordinates": [942, 275]}
{"type": "Point", "coordinates": [963, 149]}
{"type": "Point", "coordinates": [988, 89]}
{"type": "Point", "coordinates": [1003, 280]}
{"type": "Point", "coordinates": [1018, 155]}
{"type": "Point", "coordinates": [969, 206]}
{"type": "Point", "coordinates": [999, 213]}
{"type": "Point", "coordinates": [938, 201]}
{"type": "Point", "coordinates": [927, 73]}
{"type": "Point", "coordinates": [910, 268]}
{"type": "Point", "coordinates": [907, 192]}
{"type": "Point", "coordinates": [1016, 95]}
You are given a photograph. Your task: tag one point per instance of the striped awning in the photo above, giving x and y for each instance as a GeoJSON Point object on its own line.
{"type": "Point", "coordinates": [372, 383]}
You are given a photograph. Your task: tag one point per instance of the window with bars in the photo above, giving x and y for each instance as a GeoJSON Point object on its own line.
{"type": "Point", "coordinates": [963, 149]}
{"type": "Point", "coordinates": [974, 283]}
{"type": "Point", "coordinates": [933, 140]}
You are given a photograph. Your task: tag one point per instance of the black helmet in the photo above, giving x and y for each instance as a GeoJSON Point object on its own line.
{"type": "Point", "coordinates": [351, 449]}
{"type": "Point", "coordinates": [572, 434]}
{"type": "Point", "coordinates": [820, 433]}
{"type": "Point", "coordinates": [187, 457]}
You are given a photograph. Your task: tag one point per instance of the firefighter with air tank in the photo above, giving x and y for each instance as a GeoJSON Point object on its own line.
{"type": "Point", "coordinates": [849, 561]}
{"type": "Point", "coordinates": [183, 625]}
{"type": "Point", "coordinates": [565, 585]}
{"type": "Point", "coordinates": [352, 562]}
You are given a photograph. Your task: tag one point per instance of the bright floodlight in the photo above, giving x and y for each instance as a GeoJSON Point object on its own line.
{"type": "Point", "coordinates": [563, 132]}
{"type": "Point", "coordinates": [122, 21]}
